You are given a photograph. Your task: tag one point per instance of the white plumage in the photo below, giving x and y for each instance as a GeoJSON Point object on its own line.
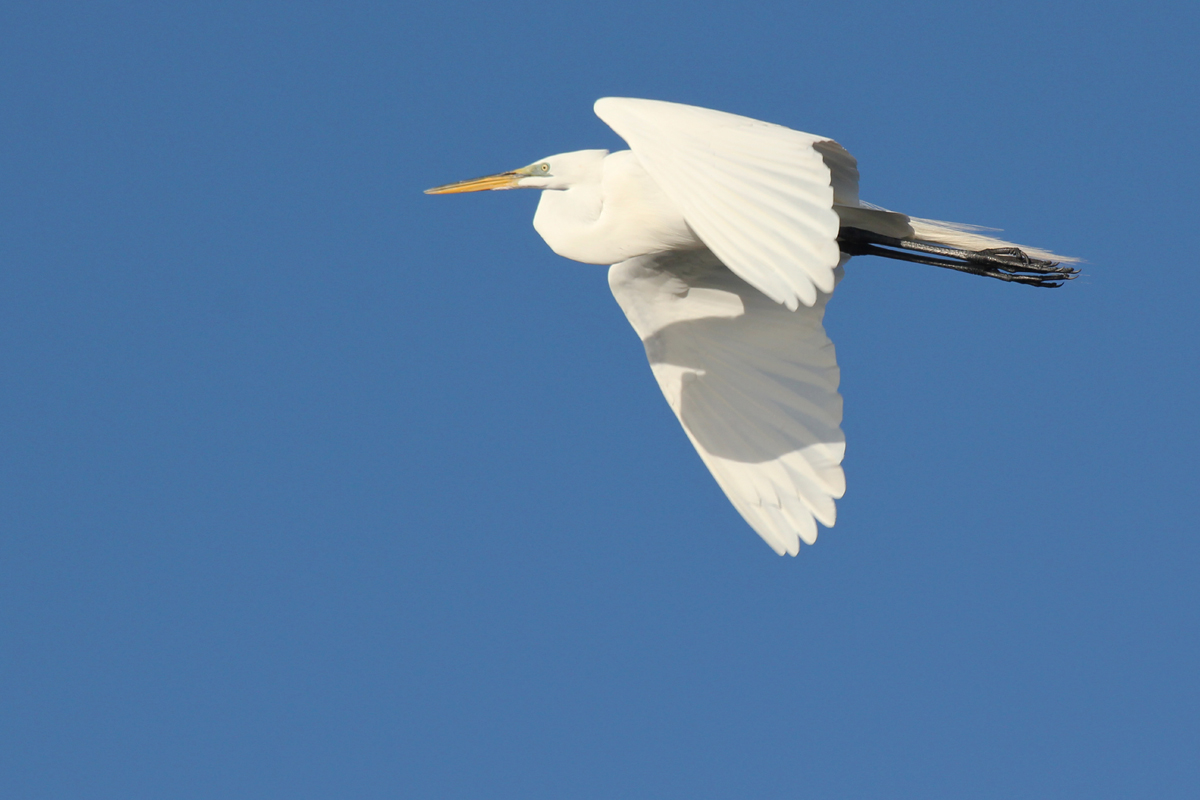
{"type": "Point", "coordinates": [758, 195]}
{"type": "Point", "coordinates": [754, 384]}
{"type": "Point", "coordinates": [723, 235]}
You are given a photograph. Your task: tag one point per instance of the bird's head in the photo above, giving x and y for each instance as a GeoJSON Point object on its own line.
{"type": "Point", "coordinates": [556, 172]}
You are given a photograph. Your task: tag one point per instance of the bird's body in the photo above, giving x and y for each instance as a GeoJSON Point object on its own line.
{"type": "Point", "coordinates": [727, 236]}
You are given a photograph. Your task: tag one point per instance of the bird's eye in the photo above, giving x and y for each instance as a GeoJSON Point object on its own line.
{"type": "Point", "coordinates": [545, 167]}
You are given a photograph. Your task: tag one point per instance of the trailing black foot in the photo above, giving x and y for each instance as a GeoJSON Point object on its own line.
{"type": "Point", "coordinates": [1003, 263]}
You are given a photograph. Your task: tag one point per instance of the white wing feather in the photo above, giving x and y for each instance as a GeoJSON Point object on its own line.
{"type": "Point", "coordinates": [759, 195]}
{"type": "Point", "coordinates": [754, 385]}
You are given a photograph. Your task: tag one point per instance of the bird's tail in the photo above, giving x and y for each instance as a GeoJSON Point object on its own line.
{"type": "Point", "coordinates": [973, 237]}
{"type": "Point", "coordinates": [950, 234]}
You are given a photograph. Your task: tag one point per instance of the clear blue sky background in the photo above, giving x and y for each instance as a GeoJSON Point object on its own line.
{"type": "Point", "coordinates": [314, 486]}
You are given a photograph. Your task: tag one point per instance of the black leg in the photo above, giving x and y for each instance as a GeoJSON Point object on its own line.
{"type": "Point", "coordinates": [1003, 263]}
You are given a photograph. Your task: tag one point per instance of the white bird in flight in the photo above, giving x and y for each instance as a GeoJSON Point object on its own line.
{"type": "Point", "coordinates": [726, 237]}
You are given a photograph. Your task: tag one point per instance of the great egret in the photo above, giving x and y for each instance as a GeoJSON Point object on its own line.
{"type": "Point", "coordinates": [727, 236]}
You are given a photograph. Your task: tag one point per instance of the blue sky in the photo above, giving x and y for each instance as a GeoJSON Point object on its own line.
{"type": "Point", "coordinates": [314, 486]}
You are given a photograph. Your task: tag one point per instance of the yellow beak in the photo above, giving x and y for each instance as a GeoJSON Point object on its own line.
{"type": "Point", "coordinates": [505, 180]}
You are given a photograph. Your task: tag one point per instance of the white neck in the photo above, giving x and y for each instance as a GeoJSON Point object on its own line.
{"type": "Point", "coordinates": [610, 211]}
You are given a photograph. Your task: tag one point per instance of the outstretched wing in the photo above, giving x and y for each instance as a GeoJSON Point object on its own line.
{"type": "Point", "coordinates": [754, 384]}
{"type": "Point", "coordinates": [759, 195]}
